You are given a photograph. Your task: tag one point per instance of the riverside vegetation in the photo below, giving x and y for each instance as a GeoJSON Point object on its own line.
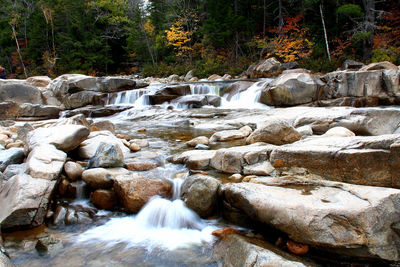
{"type": "Point", "coordinates": [283, 168]}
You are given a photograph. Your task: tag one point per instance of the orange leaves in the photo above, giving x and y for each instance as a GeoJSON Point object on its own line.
{"type": "Point", "coordinates": [291, 42]}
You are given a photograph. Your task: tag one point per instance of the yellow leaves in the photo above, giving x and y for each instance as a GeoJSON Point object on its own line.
{"type": "Point", "coordinates": [179, 38]}
{"type": "Point", "coordinates": [148, 27]}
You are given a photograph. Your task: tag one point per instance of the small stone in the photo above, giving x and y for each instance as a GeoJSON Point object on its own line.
{"type": "Point", "coordinates": [180, 175]}
{"type": "Point", "coordinates": [59, 216]}
{"type": "Point", "coordinates": [203, 140]}
{"type": "Point", "coordinates": [297, 248]}
{"type": "Point", "coordinates": [141, 142]}
{"type": "Point", "coordinates": [237, 177]}
{"type": "Point", "coordinates": [141, 166]}
{"type": "Point", "coordinates": [125, 142]}
{"type": "Point", "coordinates": [339, 131]}
{"type": "Point", "coordinates": [71, 217]}
{"type": "Point", "coordinates": [107, 156]}
{"type": "Point", "coordinates": [63, 187]}
{"type": "Point", "coordinates": [134, 147]}
{"type": "Point", "coordinates": [122, 136]}
{"type": "Point", "coordinates": [17, 143]}
{"type": "Point", "coordinates": [49, 245]}
{"type": "Point", "coordinates": [224, 232]}
{"type": "Point", "coordinates": [142, 130]}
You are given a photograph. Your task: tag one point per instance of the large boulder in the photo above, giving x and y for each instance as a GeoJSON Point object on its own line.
{"type": "Point", "coordinates": [169, 93]}
{"type": "Point", "coordinates": [235, 159]}
{"type": "Point", "coordinates": [384, 65]}
{"type": "Point", "coordinates": [265, 69]}
{"type": "Point", "coordinates": [10, 110]}
{"type": "Point", "coordinates": [371, 160]}
{"type": "Point", "coordinates": [134, 191]}
{"type": "Point", "coordinates": [350, 219]}
{"type": "Point", "coordinates": [116, 84]}
{"type": "Point", "coordinates": [197, 101]}
{"type": "Point", "coordinates": [63, 137]}
{"type": "Point", "coordinates": [199, 192]}
{"type": "Point", "coordinates": [291, 89]}
{"type": "Point", "coordinates": [39, 81]}
{"type": "Point", "coordinates": [237, 250]}
{"type": "Point", "coordinates": [11, 156]}
{"type": "Point", "coordinates": [236, 88]}
{"type": "Point", "coordinates": [46, 162]}
{"type": "Point", "coordinates": [274, 131]}
{"type": "Point", "coordinates": [107, 156]}
{"type": "Point", "coordinates": [19, 92]}
{"type": "Point", "coordinates": [24, 201]}
{"type": "Point", "coordinates": [100, 178]}
{"type": "Point", "coordinates": [87, 148]}
{"type": "Point", "coordinates": [83, 98]}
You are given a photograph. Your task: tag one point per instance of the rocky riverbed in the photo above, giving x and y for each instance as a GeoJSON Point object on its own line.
{"type": "Point", "coordinates": [195, 174]}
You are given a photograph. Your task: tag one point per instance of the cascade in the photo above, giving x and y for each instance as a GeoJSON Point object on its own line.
{"type": "Point", "coordinates": [161, 223]}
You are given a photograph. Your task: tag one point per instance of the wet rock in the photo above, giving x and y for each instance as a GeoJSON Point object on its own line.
{"type": "Point", "coordinates": [214, 77]}
{"type": "Point", "coordinates": [63, 187]}
{"type": "Point", "coordinates": [107, 156]}
{"type": "Point", "coordinates": [116, 84]}
{"type": "Point", "coordinates": [189, 75]}
{"type": "Point", "coordinates": [277, 132]}
{"type": "Point", "coordinates": [39, 81]}
{"type": "Point", "coordinates": [297, 248]}
{"type": "Point", "coordinates": [14, 169]}
{"type": "Point", "coordinates": [5, 260]}
{"type": "Point", "coordinates": [291, 89]}
{"type": "Point", "coordinates": [11, 156]}
{"type": "Point", "coordinates": [134, 191]}
{"type": "Point", "coordinates": [203, 140]}
{"type": "Point", "coordinates": [224, 232]}
{"type": "Point", "coordinates": [46, 162]}
{"type": "Point", "coordinates": [199, 192]}
{"type": "Point", "coordinates": [230, 135]}
{"type": "Point", "coordinates": [84, 98]}
{"type": "Point", "coordinates": [141, 142]}
{"type": "Point", "coordinates": [102, 126]}
{"type": "Point", "coordinates": [73, 170]}
{"type": "Point", "coordinates": [71, 217]}
{"type": "Point", "coordinates": [265, 69]}
{"type": "Point", "coordinates": [360, 160]}
{"type": "Point", "coordinates": [261, 168]}
{"type": "Point", "coordinates": [24, 201]}
{"type": "Point", "coordinates": [49, 245]}
{"type": "Point", "coordinates": [95, 111]}
{"type": "Point", "coordinates": [201, 147]}
{"type": "Point", "coordinates": [88, 148]}
{"type": "Point", "coordinates": [236, 88]}
{"type": "Point", "coordinates": [236, 250]}
{"type": "Point", "coordinates": [28, 110]}
{"type": "Point", "coordinates": [195, 159]}
{"type": "Point", "coordinates": [237, 177]}
{"type": "Point", "coordinates": [100, 178]}
{"type": "Point", "coordinates": [354, 220]}
{"type": "Point", "coordinates": [59, 216]}
{"type": "Point", "coordinates": [63, 137]}
{"type": "Point", "coordinates": [104, 199]}
{"type": "Point", "coordinates": [16, 144]}
{"type": "Point", "coordinates": [339, 131]}
{"type": "Point", "coordinates": [233, 160]}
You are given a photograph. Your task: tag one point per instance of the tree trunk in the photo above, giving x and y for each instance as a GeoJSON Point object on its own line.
{"type": "Point", "coordinates": [280, 16]}
{"type": "Point", "coordinates": [264, 17]}
{"type": "Point", "coordinates": [325, 35]}
{"type": "Point", "coordinates": [369, 27]}
{"type": "Point", "coordinates": [18, 50]}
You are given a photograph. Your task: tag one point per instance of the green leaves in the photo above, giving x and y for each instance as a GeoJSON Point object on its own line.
{"type": "Point", "coordinates": [351, 10]}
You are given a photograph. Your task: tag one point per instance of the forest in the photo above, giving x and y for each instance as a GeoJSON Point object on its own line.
{"type": "Point", "coordinates": [163, 37]}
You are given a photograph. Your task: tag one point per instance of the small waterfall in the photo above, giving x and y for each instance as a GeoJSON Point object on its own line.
{"type": "Point", "coordinates": [80, 189]}
{"type": "Point", "coordinates": [136, 97]}
{"type": "Point", "coordinates": [205, 89]}
{"type": "Point", "coordinates": [248, 98]}
{"type": "Point", "coordinates": [161, 223]}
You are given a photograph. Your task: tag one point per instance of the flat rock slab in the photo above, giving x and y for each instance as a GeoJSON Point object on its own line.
{"type": "Point", "coordinates": [236, 250]}
{"type": "Point", "coordinates": [355, 220]}
{"type": "Point", "coordinates": [195, 159]}
{"type": "Point", "coordinates": [369, 160]}
{"type": "Point", "coordinates": [11, 156]}
{"type": "Point", "coordinates": [24, 201]}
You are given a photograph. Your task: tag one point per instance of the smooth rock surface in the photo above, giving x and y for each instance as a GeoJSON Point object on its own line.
{"type": "Point", "coordinates": [104, 199]}
{"type": "Point", "coordinates": [365, 160]}
{"type": "Point", "coordinates": [237, 250]}
{"type": "Point", "coordinates": [107, 156]}
{"type": "Point", "coordinates": [63, 137]}
{"type": "Point", "coordinates": [195, 159]}
{"type": "Point", "coordinates": [199, 192]}
{"type": "Point", "coordinates": [100, 178]}
{"type": "Point", "coordinates": [88, 148]}
{"type": "Point", "coordinates": [46, 162]}
{"type": "Point", "coordinates": [24, 201]}
{"type": "Point", "coordinates": [276, 132]}
{"type": "Point", "coordinates": [203, 140]}
{"type": "Point", "coordinates": [73, 170]}
{"type": "Point", "coordinates": [134, 191]}
{"type": "Point", "coordinates": [352, 219]}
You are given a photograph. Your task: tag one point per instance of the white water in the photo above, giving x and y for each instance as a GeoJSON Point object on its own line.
{"type": "Point", "coordinates": [246, 99]}
{"type": "Point", "coordinates": [162, 223]}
